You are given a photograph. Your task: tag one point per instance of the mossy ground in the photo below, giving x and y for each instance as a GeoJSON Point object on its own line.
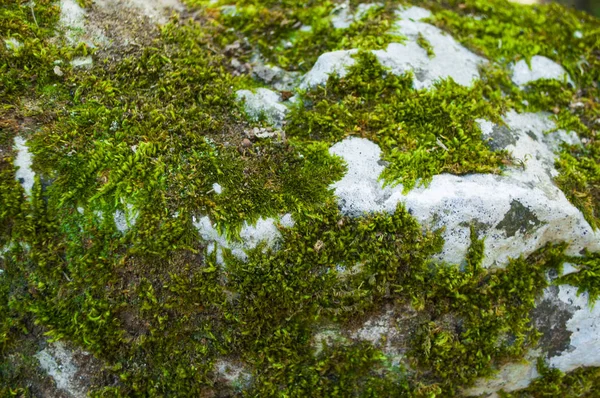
{"type": "Point", "coordinates": [155, 130]}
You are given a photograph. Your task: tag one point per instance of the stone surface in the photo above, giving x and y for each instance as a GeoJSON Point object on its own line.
{"type": "Point", "coordinates": [263, 103]}
{"type": "Point", "coordinates": [517, 212]}
{"type": "Point", "coordinates": [571, 340]}
{"type": "Point", "coordinates": [23, 161]}
{"type": "Point", "coordinates": [251, 235]}
{"type": "Point", "coordinates": [451, 59]}
{"type": "Point", "coordinates": [541, 68]}
{"type": "Point", "coordinates": [57, 361]}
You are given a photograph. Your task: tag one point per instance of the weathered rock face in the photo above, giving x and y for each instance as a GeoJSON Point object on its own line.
{"type": "Point", "coordinates": [171, 217]}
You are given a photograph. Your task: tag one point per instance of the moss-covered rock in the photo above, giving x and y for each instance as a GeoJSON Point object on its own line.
{"type": "Point", "coordinates": [298, 198]}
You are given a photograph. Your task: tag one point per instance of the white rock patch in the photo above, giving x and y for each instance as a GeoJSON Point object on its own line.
{"type": "Point", "coordinates": [541, 68]}
{"type": "Point", "coordinates": [335, 62]}
{"type": "Point", "coordinates": [584, 346]}
{"type": "Point", "coordinates": [57, 361]}
{"type": "Point", "coordinates": [451, 59]}
{"type": "Point", "coordinates": [343, 18]}
{"type": "Point", "coordinates": [218, 189]}
{"type": "Point", "coordinates": [585, 328]}
{"type": "Point", "coordinates": [82, 62]}
{"type": "Point", "coordinates": [264, 102]}
{"type": "Point", "coordinates": [12, 44]}
{"type": "Point", "coordinates": [265, 230]}
{"type": "Point", "coordinates": [233, 374]}
{"type": "Point", "coordinates": [510, 377]}
{"type": "Point", "coordinates": [496, 202]}
{"type": "Point", "coordinates": [23, 161]}
{"type": "Point", "coordinates": [125, 219]}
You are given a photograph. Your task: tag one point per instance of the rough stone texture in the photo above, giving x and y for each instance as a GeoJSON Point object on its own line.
{"type": "Point", "coordinates": [541, 68]}
{"type": "Point", "coordinates": [263, 102]}
{"type": "Point", "coordinates": [335, 62]}
{"type": "Point", "coordinates": [510, 377]}
{"type": "Point", "coordinates": [571, 327]}
{"type": "Point", "coordinates": [23, 161]}
{"type": "Point", "coordinates": [451, 59]}
{"type": "Point", "coordinates": [264, 230]}
{"type": "Point", "coordinates": [343, 18]}
{"type": "Point", "coordinates": [517, 212]}
{"type": "Point", "coordinates": [57, 361]}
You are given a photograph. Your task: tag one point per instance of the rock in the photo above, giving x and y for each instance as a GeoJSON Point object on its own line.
{"type": "Point", "coordinates": [335, 62]}
{"type": "Point", "coordinates": [264, 230]}
{"type": "Point", "coordinates": [518, 212]}
{"type": "Point", "coordinates": [12, 44]}
{"type": "Point", "coordinates": [263, 103]}
{"type": "Point", "coordinates": [23, 161]}
{"type": "Point", "coordinates": [246, 143]}
{"type": "Point", "coordinates": [451, 59]}
{"type": "Point", "coordinates": [541, 68]}
{"type": "Point", "coordinates": [571, 340]}
{"type": "Point", "coordinates": [82, 62]}
{"type": "Point", "coordinates": [342, 18]}
{"type": "Point", "coordinates": [57, 361]}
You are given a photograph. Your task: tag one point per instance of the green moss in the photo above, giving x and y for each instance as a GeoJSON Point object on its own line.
{"type": "Point", "coordinates": [587, 279]}
{"type": "Point", "coordinates": [506, 32]}
{"type": "Point", "coordinates": [424, 43]}
{"type": "Point", "coordinates": [552, 382]}
{"type": "Point", "coordinates": [157, 129]}
{"type": "Point", "coordinates": [421, 132]}
{"type": "Point", "coordinates": [273, 29]}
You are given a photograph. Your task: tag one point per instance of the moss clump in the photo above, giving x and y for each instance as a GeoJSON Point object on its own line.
{"type": "Point", "coordinates": [588, 276]}
{"type": "Point", "coordinates": [582, 382]}
{"type": "Point", "coordinates": [426, 45]}
{"type": "Point", "coordinates": [273, 29]}
{"type": "Point", "coordinates": [421, 132]}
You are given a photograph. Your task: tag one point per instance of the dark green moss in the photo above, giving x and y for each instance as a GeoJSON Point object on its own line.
{"type": "Point", "coordinates": [156, 130]}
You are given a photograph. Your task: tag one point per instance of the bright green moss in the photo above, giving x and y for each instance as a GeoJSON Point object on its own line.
{"type": "Point", "coordinates": [579, 383]}
{"type": "Point", "coordinates": [588, 276]}
{"type": "Point", "coordinates": [275, 30]}
{"type": "Point", "coordinates": [424, 43]}
{"type": "Point", "coordinates": [421, 132]}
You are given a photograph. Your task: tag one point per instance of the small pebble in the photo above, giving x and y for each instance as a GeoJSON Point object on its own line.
{"type": "Point", "coordinates": [246, 143]}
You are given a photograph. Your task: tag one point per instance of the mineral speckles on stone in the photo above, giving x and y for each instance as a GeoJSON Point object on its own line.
{"type": "Point", "coordinates": [451, 59]}
{"type": "Point", "coordinates": [23, 161]}
{"type": "Point", "coordinates": [264, 102]}
{"type": "Point", "coordinates": [541, 68]}
{"type": "Point", "coordinates": [584, 326]}
{"type": "Point", "coordinates": [58, 362]}
{"type": "Point", "coordinates": [455, 202]}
